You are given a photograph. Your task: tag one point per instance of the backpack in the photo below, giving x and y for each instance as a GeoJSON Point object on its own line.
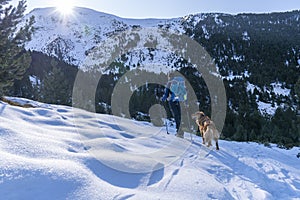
{"type": "Point", "coordinates": [177, 86]}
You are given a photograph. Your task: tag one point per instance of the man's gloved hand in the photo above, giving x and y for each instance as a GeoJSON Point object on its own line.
{"type": "Point", "coordinates": [164, 98]}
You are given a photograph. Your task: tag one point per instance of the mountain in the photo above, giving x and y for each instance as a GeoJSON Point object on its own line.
{"type": "Point", "coordinates": [229, 39]}
{"type": "Point", "coordinates": [72, 37]}
{"type": "Point", "coordinates": [256, 55]}
{"type": "Point", "coordinates": [60, 152]}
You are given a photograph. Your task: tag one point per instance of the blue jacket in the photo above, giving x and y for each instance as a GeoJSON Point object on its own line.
{"type": "Point", "coordinates": [167, 93]}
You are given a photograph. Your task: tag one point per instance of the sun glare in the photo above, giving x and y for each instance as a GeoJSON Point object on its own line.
{"type": "Point", "coordinates": [65, 7]}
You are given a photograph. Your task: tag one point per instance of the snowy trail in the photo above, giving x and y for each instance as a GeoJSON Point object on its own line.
{"type": "Point", "coordinates": [57, 152]}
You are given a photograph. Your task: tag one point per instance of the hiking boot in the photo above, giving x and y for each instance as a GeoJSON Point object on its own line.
{"type": "Point", "coordinates": [179, 134]}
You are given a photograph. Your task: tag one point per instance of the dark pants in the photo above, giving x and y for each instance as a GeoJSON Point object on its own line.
{"type": "Point", "coordinates": [175, 109]}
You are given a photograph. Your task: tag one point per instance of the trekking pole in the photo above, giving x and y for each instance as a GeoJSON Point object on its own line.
{"type": "Point", "coordinates": [191, 134]}
{"type": "Point", "coordinates": [189, 123]}
{"type": "Point", "coordinates": [165, 121]}
{"type": "Point", "coordinates": [166, 124]}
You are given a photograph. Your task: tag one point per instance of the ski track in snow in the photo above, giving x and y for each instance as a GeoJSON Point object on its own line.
{"type": "Point", "coordinates": [48, 152]}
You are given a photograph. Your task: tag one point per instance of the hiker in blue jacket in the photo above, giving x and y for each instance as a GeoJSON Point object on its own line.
{"type": "Point", "coordinates": [175, 92]}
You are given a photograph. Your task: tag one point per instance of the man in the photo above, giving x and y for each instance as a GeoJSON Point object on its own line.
{"type": "Point", "coordinates": [175, 92]}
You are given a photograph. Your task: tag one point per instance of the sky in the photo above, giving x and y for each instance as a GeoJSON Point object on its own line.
{"type": "Point", "coordinates": [173, 8]}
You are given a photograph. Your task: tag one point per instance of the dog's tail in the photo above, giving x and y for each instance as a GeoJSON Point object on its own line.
{"type": "Point", "coordinates": [212, 127]}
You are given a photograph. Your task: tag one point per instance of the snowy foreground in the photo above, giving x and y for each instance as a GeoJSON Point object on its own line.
{"type": "Point", "coordinates": [58, 152]}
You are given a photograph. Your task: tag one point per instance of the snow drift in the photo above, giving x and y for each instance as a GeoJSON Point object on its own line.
{"type": "Point", "coordinates": [59, 152]}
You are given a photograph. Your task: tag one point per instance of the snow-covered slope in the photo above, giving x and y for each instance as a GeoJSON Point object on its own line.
{"type": "Point", "coordinates": [58, 152]}
{"type": "Point", "coordinates": [72, 37]}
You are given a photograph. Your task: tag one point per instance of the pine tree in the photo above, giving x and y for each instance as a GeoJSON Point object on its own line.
{"type": "Point", "coordinates": [55, 88]}
{"type": "Point", "coordinates": [297, 91]}
{"type": "Point", "coordinates": [14, 60]}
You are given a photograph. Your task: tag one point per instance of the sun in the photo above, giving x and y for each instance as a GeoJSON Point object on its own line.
{"type": "Point", "coordinates": [65, 7]}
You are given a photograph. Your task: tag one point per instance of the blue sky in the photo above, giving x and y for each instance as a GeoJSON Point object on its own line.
{"type": "Point", "coordinates": [174, 8]}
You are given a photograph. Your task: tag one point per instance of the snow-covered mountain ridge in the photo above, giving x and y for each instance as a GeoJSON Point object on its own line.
{"type": "Point", "coordinates": [227, 38]}
{"type": "Point", "coordinates": [72, 37]}
{"type": "Point", "coordinates": [59, 152]}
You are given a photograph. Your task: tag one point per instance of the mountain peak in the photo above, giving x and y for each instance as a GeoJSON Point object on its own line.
{"type": "Point", "coordinates": [78, 32]}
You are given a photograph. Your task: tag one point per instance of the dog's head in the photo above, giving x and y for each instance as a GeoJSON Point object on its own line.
{"type": "Point", "coordinates": [198, 115]}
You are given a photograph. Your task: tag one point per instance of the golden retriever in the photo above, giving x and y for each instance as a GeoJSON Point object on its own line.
{"type": "Point", "coordinates": [207, 129]}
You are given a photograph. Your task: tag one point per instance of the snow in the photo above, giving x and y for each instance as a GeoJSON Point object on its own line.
{"type": "Point", "coordinates": [194, 19]}
{"type": "Point", "coordinates": [73, 37]}
{"type": "Point", "coordinates": [59, 152]}
{"type": "Point", "coordinates": [159, 62]}
{"type": "Point", "coordinates": [206, 33]}
{"type": "Point", "coordinates": [267, 108]}
{"type": "Point", "coordinates": [245, 36]}
{"type": "Point", "coordinates": [34, 80]}
{"type": "Point", "coordinates": [278, 89]}
{"type": "Point", "coordinates": [231, 76]}
{"type": "Point", "coordinates": [218, 20]}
